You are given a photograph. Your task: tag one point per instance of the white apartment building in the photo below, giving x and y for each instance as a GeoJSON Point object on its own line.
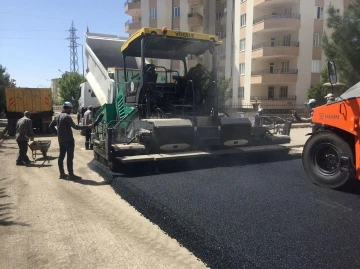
{"type": "Point", "coordinates": [186, 15]}
{"type": "Point", "coordinates": [273, 48]}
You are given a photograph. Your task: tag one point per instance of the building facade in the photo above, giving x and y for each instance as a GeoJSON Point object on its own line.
{"type": "Point", "coordinates": [201, 16]}
{"type": "Point", "coordinates": [271, 48]}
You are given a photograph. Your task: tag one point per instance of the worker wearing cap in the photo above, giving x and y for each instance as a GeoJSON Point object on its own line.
{"type": "Point", "coordinates": [64, 123]}
{"type": "Point", "coordinates": [258, 115]}
{"type": "Point", "coordinates": [24, 133]}
{"type": "Point", "coordinates": [329, 98]}
{"type": "Point", "coordinates": [88, 119]}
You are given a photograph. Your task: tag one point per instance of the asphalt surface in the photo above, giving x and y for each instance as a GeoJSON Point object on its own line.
{"type": "Point", "coordinates": [249, 214]}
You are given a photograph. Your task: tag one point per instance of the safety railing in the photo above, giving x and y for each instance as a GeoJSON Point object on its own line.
{"type": "Point", "coordinates": [277, 17]}
{"type": "Point", "coordinates": [274, 71]}
{"type": "Point", "coordinates": [276, 44]}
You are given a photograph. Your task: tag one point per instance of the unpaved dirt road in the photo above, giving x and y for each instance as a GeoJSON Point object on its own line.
{"type": "Point", "coordinates": [46, 222]}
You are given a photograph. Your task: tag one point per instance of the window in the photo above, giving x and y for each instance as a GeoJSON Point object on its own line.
{"type": "Point", "coordinates": [241, 92]}
{"type": "Point", "coordinates": [153, 13]}
{"type": "Point", "coordinates": [176, 12]}
{"type": "Point", "coordinates": [317, 39]}
{"type": "Point", "coordinates": [218, 16]}
{"type": "Point", "coordinates": [242, 44]}
{"type": "Point", "coordinates": [283, 91]}
{"type": "Point", "coordinates": [315, 68]}
{"type": "Point", "coordinates": [319, 13]}
{"type": "Point", "coordinates": [243, 20]}
{"type": "Point", "coordinates": [285, 66]}
{"type": "Point", "coordinates": [92, 93]}
{"type": "Point", "coordinates": [242, 69]}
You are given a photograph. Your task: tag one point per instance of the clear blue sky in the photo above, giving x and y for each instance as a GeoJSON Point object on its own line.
{"type": "Point", "coordinates": [33, 44]}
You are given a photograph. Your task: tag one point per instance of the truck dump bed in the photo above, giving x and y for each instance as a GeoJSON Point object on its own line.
{"type": "Point", "coordinates": [103, 51]}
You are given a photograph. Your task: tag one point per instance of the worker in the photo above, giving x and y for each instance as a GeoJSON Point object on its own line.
{"type": "Point", "coordinates": [88, 119]}
{"type": "Point", "coordinates": [258, 115]}
{"type": "Point", "coordinates": [24, 133]}
{"type": "Point", "coordinates": [64, 123]}
{"type": "Point", "coordinates": [329, 98]}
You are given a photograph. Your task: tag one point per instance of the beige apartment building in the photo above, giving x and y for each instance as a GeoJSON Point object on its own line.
{"type": "Point", "coordinates": [272, 48]}
{"type": "Point", "coordinates": [201, 16]}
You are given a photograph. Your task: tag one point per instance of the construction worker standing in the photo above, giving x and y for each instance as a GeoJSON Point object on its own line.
{"type": "Point", "coordinates": [64, 123]}
{"type": "Point", "coordinates": [88, 119]}
{"type": "Point", "coordinates": [24, 133]}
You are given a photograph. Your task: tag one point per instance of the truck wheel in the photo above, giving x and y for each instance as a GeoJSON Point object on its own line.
{"type": "Point", "coordinates": [44, 128]}
{"type": "Point", "coordinates": [321, 159]}
{"type": "Point", "coordinates": [11, 128]}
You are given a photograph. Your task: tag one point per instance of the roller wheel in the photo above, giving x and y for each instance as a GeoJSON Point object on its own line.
{"type": "Point", "coordinates": [322, 159]}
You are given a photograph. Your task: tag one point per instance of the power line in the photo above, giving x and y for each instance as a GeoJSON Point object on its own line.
{"type": "Point", "coordinates": [30, 38]}
{"type": "Point", "coordinates": [32, 30]}
{"type": "Point", "coordinates": [26, 15]}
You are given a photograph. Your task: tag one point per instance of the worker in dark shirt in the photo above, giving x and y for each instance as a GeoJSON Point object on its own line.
{"type": "Point", "coordinates": [64, 123]}
{"type": "Point", "coordinates": [24, 133]}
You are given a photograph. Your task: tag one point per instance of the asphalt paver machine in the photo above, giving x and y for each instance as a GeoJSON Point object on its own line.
{"type": "Point", "coordinates": [176, 117]}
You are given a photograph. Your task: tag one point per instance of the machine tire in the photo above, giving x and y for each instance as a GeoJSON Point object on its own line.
{"type": "Point", "coordinates": [313, 159]}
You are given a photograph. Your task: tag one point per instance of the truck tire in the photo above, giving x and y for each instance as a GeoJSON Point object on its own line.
{"type": "Point", "coordinates": [44, 128]}
{"type": "Point", "coordinates": [11, 128]}
{"type": "Point", "coordinates": [321, 159]}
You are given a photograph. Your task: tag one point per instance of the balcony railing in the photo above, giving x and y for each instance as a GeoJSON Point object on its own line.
{"type": "Point", "coordinates": [130, 1]}
{"type": "Point", "coordinates": [194, 14]}
{"type": "Point", "coordinates": [132, 21]}
{"type": "Point", "coordinates": [274, 71]}
{"type": "Point", "coordinates": [276, 44]}
{"type": "Point", "coordinates": [275, 97]}
{"type": "Point", "coordinates": [277, 17]}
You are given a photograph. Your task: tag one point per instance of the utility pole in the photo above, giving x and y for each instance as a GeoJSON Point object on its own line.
{"type": "Point", "coordinates": [172, 26]}
{"type": "Point", "coordinates": [74, 65]}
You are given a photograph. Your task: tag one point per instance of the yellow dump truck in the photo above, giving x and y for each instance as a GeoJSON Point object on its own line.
{"type": "Point", "coordinates": [36, 100]}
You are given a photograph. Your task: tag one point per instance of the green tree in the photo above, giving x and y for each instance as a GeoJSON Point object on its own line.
{"type": "Point", "coordinates": [5, 82]}
{"type": "Point", "coordinates": [343, 44]}
{"type": "Point", "coordinates": [224, 92]}
{"type": "Point", "coordinates": [69, 84]}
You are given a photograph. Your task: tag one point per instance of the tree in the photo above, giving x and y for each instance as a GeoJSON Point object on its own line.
{"type": "Point", "coordinates": [5, 82]}
{"type": "Point", "coordinates": [69, 84]}
{"type": "Point", "coordinates": [343, 46]}
{"type": "Point", "coordinates": [224, 93]}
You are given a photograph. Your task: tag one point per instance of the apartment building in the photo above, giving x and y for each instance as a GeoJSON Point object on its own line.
{"type": "Point", "coordinates": [273, 48]}
{"type": "Point", "coordinates": [186, 15]}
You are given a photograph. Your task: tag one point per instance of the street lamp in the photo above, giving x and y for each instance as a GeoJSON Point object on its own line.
{"type": "Point", "coordinates": [82, 57]}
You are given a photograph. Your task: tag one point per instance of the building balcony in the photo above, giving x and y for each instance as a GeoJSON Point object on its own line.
{"type": "Point", "coordinates": [275, 97]}
{"type": "Point", "coordinates": [195, 19]}
{"type": "Point", "coordinates": [269, 3]}
{"type": "Point", "coordinates": [133, 8]}
{"type": "Point", "coordinates": [131, 26]}
{"type": "Point", "coordinates": [195, 3]}
{"type": "Point", "coordinates": [271, 23]}
{"type": "Point", "coordinates": [270, 50]}
{"type": "Point", "coordinates": [274, 76]}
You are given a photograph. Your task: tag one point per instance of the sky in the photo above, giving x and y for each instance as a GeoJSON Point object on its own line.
{"type": "Point", "coordinates": [33, 35]}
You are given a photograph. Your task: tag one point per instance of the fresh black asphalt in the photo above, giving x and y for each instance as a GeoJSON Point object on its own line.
{"type": "Point", "coordinates": [249, 214]}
